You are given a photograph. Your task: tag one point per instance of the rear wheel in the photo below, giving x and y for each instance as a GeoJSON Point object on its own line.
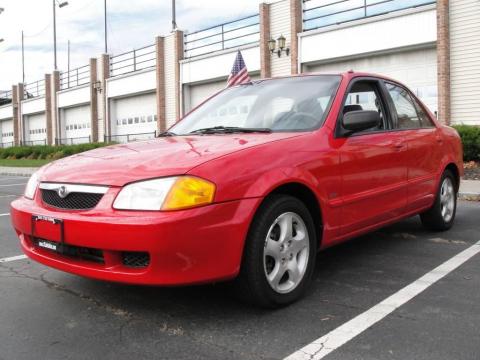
{"type": "Point", "coordinates": [279, 253]}
{"type": "Point", "coordinates": [441, 215]}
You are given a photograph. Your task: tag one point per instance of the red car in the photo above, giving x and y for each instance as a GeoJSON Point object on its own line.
{"type": "Point", "coordinates": [248, 186]}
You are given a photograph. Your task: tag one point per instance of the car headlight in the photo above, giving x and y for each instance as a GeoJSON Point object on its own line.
{"type": "Point", "coordinates": [172, 193]}
{"type": "Point", "coordinates": [31, 187]}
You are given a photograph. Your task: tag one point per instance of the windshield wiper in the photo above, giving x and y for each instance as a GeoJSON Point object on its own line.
{"type": "Point", "coordinates": [166, 134]}
{"type": "Point", "coordinates": [230, 130]}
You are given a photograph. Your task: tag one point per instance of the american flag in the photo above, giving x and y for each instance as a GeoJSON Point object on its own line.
{"type": "Point", "coordinates": [239, 74]}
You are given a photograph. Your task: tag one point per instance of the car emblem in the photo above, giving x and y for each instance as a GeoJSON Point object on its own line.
{"type": "Point", "coordinates": [62, 192]}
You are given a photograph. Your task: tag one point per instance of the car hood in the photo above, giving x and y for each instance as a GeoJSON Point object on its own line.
{"type": "Point", "coordinates": [120, 164]}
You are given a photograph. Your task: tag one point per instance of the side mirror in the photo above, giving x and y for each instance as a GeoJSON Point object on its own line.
{"type": "Point", "coordinates": [360, 120]}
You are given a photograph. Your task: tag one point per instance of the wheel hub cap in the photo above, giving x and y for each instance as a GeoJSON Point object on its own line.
{"type": "Point", "coordinates": [447, 199]}
{"type": "Point", "coordinates": [286, 251]}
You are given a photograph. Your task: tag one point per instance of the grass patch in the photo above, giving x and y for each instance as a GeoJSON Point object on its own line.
{"type": "Point", "coordinates": [23, 162]}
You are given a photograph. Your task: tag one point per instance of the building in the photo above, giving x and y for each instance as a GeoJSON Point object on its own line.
{"type": "Point", "coordinates": [431, 46]}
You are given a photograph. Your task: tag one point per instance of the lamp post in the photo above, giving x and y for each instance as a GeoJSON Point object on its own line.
{"type": "Point", "coordinates": [60, 5]}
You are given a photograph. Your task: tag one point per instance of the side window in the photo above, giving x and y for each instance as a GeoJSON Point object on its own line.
{"type": "Point", "coordinates": [424, 117]}
{"type": "Point", "coordinates": [406, 112]}
{"type": "Point", "coordinates": [364, 95]}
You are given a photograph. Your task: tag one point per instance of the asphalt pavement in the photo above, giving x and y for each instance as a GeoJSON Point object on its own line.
{"type": "Point", "coordinates": [47, 314]}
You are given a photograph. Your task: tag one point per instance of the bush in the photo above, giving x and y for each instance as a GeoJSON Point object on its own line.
{"type": "Point", "coordinates": [47, 151]}
{"type": "Point", "coordinates": [471, 141]}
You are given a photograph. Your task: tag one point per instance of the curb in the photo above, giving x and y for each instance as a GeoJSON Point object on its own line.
{"type": "Point", "coordinates": [469, 196]}
{"type": "Point", "coordinates": [9, 171]}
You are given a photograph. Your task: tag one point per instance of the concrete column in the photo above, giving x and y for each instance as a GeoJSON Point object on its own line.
{"type": "Point", "coordinates": [173, 53]}
{"type": "Point", "coordinates": [20, 124]}
{"type": "Point", "coordinates": [160, 81]}
{"type": "Point", "coordinates": [265, 55]}
{"type": "Point", "coordinates": [178, 56]}
{"type": "Point", "coordinates": [93, 101]}
{"type": "Point", "coordinates": [15, 107]}
{"type": "Point", "coordinates": [48, 108]}
{"type": "Point", "coordinates": [104, 75]}
{"type": "Point", "coordinates": [296, 23]}
{"type": "Point", "coordinates": [56, 120]}
{"type": "Point", "coordinates": [443, 61]}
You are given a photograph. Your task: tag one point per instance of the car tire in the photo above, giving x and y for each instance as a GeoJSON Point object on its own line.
{"type": "Point", "coordinates": [269, 251]}
{"type": "Point", "coordinates": [441, 215]}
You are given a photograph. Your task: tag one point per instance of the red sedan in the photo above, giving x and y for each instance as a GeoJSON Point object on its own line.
{"type": "Point", "coordinates": [249, 185]}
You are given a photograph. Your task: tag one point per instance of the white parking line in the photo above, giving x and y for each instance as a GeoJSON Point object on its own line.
{"type": "Point", "coordinates": [6, 214]}
{"type": "Point", "coordinates": [13, 184]}
{"type": "Point", "coordinates": [13, 258]}
{"type": "Point", "coordinates": [2, 196]}
{"type": "Point", "coordinates": [323, 346]}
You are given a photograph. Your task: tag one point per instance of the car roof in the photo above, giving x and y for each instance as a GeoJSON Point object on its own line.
{"type": "Point", "coordinates": [346, 74]}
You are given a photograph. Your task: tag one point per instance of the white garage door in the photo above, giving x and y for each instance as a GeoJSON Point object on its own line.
{"type": "Point", "coordinates": [417, 69]}
{"type": "Point", "coordinates": [195, 94]}
{"type": "Point", "coordinates": [35, 129]}
{"type": "Point", "coordinates": [134, 115]}
{"type": "Point", "coordinates": [6, 128]}
{"type": "Point", "coordinates": [76, 121]}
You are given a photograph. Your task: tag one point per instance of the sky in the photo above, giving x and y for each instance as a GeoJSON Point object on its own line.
{"type": "Point", "coordinates": [131, 24]}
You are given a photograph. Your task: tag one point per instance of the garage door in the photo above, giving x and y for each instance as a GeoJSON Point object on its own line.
{"type": "Point", "coordinates": [35, 128]}
{"type": "Point", "coordinates": [417, 69]}
{"type": "Point", "coordinates": [195, 94]}
{"type": "Point", "coordinates": [6, 128]}
{"type": "Point", "coordinates": [77, 124]}
{"type": "Point", "coordinates": [134, 115]}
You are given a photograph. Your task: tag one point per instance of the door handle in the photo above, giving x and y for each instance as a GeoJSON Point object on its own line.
{"type": "Point", "coordinates": [399, 146]}
{"type": "Point", "coordinates": [439, 140]}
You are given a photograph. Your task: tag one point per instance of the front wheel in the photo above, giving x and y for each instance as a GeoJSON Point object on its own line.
{"type": "Point", "coordinates": [279, 253]}
{"type": "Point", "coordinates": [441, 215]}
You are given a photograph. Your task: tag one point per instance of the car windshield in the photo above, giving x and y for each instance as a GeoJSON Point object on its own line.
{"type": "Point", "coordinates": [287, 104]}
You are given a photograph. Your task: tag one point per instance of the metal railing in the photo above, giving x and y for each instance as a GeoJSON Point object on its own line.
{"type": "Point", "coordinates": [73, 140]}
{"type": "Point", "coordinates": [130, 61]}
{"type": "Point", "coordinates": [33, 142]}
{"type": "Point", "coordinates": [34, 89]}
{"type": "Point", "coordinates": [228, 35]}
{"type": "Point", "coordinates": [7, 144]}
{"type": "Point", "coordinates": [321, 13]}
{"type": "Point", "coordinates": [126, 138]}
{"type": "Point", "coordinates": [5, 97]}
{"type": "Point", "coordinates": [75, 77]}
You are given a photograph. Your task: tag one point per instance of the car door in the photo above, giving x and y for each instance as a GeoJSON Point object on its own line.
{"type": "Point", "coordinates": [372, 163]}
{"type": "Point", "coordinates": [423, 142]}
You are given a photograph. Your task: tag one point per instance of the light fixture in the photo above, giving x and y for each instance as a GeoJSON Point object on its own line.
{"type": "Point", "coordinates": [97, 85]}
{"type": "Point", "coordinates": [278, 46]}
{"type": "Point", "coordinates": [2, 40]}
{"type": "Point", "coordinates": [271, 45]}
{"type": "Point", "coordinates": [62, 4]}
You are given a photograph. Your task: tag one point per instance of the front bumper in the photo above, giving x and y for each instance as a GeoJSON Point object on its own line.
{"type": "Point", "coordinates": [185, 247]}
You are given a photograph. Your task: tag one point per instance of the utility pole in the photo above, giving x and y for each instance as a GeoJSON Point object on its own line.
{"type": "Point", "coordinates": [68, 63]}
{"type": "Point", "coordinates": [23, 60]}
{"type": "Point", "coordinates": [174, 16]}
{"type": "Point", "coordinates": [54, 37]}
{"type": "Point", "coordinates": [105, 24]}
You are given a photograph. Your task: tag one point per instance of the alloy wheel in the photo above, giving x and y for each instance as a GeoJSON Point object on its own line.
{"type": "Point", "coordinates": [286, 252]}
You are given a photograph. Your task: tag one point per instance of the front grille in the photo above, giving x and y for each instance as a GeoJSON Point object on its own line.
{"type": "Point", "coordinates": [78, 252]}
{"type": "Point", "coordinates": [73, 201]}
{"type": "Point", "coordinates": [136, 259]}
